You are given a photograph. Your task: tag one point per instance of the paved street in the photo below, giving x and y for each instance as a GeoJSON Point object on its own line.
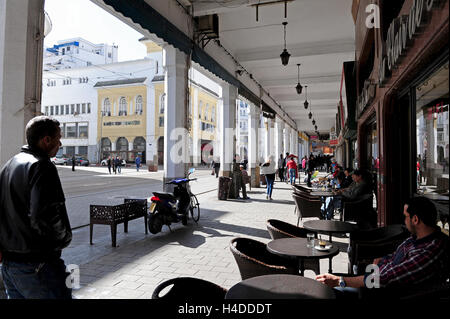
{"type": "Point", "coordinates": [141, 262]}
{"type": "Point", "coordinates": [94, 185]}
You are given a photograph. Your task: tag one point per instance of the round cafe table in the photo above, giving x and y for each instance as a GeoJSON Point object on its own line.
{"type": "Point", "coordinates": [330, 227]}
{"type": "Point", "coordinates": [297, 248]}
{"type": "Point", "coordinates": [280, 287]}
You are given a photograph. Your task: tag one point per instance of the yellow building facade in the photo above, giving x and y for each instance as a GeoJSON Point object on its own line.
{"type": "Point", "coordinates": [122, 123]}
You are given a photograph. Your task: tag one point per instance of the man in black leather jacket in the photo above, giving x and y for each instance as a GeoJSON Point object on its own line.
{"type": "Point", "coordinates": [34, 226]}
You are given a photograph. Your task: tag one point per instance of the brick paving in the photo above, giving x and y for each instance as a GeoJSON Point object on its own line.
{"type": "Point", "coordinates": [140, 262]}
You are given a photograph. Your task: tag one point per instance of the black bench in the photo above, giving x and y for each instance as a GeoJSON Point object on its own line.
{"type": "Point", "coordinates": [117, 214]}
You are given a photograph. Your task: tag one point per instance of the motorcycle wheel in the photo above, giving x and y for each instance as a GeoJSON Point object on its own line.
{"type": "Point", "coordinates": [155, 223]}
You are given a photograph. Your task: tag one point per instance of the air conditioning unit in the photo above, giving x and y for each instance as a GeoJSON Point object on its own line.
{"type": "Point", "coordinates": [208, 25]}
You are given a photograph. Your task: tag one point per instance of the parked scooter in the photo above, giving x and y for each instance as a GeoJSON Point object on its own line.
{"type": "Point", "coordinates": [168, 208]}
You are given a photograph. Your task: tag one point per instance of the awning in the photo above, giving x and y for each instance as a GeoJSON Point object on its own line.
{"type": "Point", "coordinates": [148, 18]}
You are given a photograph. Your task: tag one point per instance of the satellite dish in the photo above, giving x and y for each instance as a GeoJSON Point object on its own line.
{"type": "Point", "coordinates": [47, 24]}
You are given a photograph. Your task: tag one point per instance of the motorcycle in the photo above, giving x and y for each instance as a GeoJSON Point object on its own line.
{"type": "Point", "coordinates": [168, 208]}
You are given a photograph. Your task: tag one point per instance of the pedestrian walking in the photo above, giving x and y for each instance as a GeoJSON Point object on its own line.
{"type": "Point", "coordinates": [73, 163]}
{"type": "Point", "coordinates": [216, 166]}
{"type": "Point", "coordinates": [138, 163]}
{"type": "Point", "coordinates": [292, 167]}
{"type": "Point", "coordinates": [113, 163]}
{"type": "Point", "coordinates": [108, 162]}
{"type": "Point", "coordinates": [236, 179]}
{"type": "Point", "coordinates": [286, 173]}
{"type": "Point", "coordinates": [281, 168]}
{"type": "Point", "coordinates": [268, 169]}
{"type": "Point", "coordinates": [118, 165]}
{"type": "Point", "coordinates": [34, 227]}
{"type": "Point", "coordinates": [244, 175]}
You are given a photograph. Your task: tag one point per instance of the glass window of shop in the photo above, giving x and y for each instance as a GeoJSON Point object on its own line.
{"type": "Point", "coordinates": [432, 132]}
{"type": "Point", "coordinates": [373, 159]}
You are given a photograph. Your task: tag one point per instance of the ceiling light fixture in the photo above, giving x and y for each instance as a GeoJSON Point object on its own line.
{"type": "Point", "coordinates": [306, 104]}
{"type": "Point", "coordinates": [285, 55]}
{"type": "Point", "coordinates": [299, 87]}
{"type": "Point", "coordinates": [314, 122]}
{"type": "Point", "coordinates": [315, 126]}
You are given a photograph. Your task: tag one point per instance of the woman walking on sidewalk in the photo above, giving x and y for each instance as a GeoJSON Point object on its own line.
{"type": "Point", "coordinates": [292, 167]}
{"type": "Point", "coordinates": [268, 169]}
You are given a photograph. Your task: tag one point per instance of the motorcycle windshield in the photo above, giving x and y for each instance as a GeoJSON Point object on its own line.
{"type": "Point", "coordinates": [179, 180]}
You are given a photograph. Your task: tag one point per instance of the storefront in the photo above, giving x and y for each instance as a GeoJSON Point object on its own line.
{"type": "Point", "coordinates": [402, 107]}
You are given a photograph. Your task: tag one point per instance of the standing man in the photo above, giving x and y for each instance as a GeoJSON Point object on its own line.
{"type": "Point", "coordinates": [281, 165]}
{"type": "Point", "coordinates": [118, 164]}
{"type": "Point", "coordinates": [108, 162]}
{"type": "Point", "coordinates": [34, 226]}
{"type": "Point", "coordinates": [73, 163]}
{"type": "Point", "coordinates": [286, 173]}
{"type": "Point", "coordinates": [138, 162]}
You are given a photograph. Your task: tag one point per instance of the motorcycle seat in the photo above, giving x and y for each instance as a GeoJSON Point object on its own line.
{"type": "Point", "coordinates": [164, 195]}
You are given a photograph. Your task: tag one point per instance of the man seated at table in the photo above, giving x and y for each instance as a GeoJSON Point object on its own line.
{"type": "Point", "coordinates": [359, 187]}
{"type": "Point", "coordinates": [421, 260]}
{"type": "Point", "coordinates": [348, 178]}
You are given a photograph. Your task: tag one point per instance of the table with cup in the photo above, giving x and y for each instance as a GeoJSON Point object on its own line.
{"type": "Point", "coordinates": [330, 227]}
{"type": "Point", "coordinates": [303, 248]}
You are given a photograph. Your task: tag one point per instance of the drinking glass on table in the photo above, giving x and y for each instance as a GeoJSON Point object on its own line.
{"type": "Point", "coordinates": [310, 242]}
{"type": "Point", "coordinates": [322, 242]}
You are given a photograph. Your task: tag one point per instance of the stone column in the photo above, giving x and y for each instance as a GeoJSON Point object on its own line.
{"type": "Point", "coordinates": [227, 110]}
{"type": "Point", "coordinates": [196, 134]}
{"type": "Point", "coordinates": [279, 126]}
{"type": "Point", "coordinates": [21, 54]}
{"type": "Point", "coordinates": [176, 137]}
{"type": "Point", "coordinates": [151, 141]}
{"type": "Point", "coordinates": [253, 144]}
{"type": "Point", "coordinates": [286, 140]}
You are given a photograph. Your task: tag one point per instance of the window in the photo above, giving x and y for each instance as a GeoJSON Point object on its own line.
{"type": "Point", "coordinates": [63, 130]}
{"type": "Point", "coordinates": [122, 106]}
{"type": "Point", "coordinates": [72, 108]}
{"type": "Point", "coordinates": [56, 109]}
{"type": "Point", "coordinates": [161, 121]}
{"type": "Point", "coordinates": [162, 101]}
{"type": "Point", "coordinates": [83, 108]}
{"type": "Point", "coordinates": [139, 104]}
{"type": "Point", "coordinates": [206, 111]}
{"type": "Point", "coordinates": [67, 109]}
{"type": "Point", "coordinates": [213, 114]}
{"type": "Point", "coordinates": [89, 108]}
{"type": "Point", "coordinates": [106, 107]}
{"type": "Point", "coordinates": [83, 150]}
{"type": "Point", "coordinates": [78, 108]}
{"type": "Point", "coordinates": [83, 131]}
{"type": "Point", "coordinates": [200, 110]}
{"type": "Point", "coordinates": [71, 130]}
{"type": "Point", "coordinates": [61, 109]}
{"type": "Point", "coordinates": [68, 49]}
{"type": "Point", "coordinates": [70, 150]}
{"type": "Point", "coordinates": [432, 135]}
{"type": "Point", "coordinates": [46, 110]}
{"type": "Point", "coordinates": [122, 144]}
{"type": "Point", "coordinates": [51, 110]}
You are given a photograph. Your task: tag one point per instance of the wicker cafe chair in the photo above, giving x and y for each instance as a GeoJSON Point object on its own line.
{"type": "Point", "coordinates": [360, 211]}
{"type": "Point", "coordinates": [253, 259]}
{"type": "Point", "coordinates": [301, 188]}
{"type": "Point", "coordinates": [279, 229]}
{"type": "Point", "coordinates": [307, 207]}
{"type": "Point", "coordinates": [366, 245]}
{"type": "Point", "coordinates": [188, 288]}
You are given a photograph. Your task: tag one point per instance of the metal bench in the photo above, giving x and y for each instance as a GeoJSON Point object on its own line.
{"type": "Point", "coordinates": [116, 214]}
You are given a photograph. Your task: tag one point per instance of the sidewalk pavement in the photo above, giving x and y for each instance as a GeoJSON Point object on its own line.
{"type": "Point", "coordinates": [141, 262]}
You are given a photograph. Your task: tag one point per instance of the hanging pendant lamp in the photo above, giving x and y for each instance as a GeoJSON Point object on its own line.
{"type": "Point", "coordinates": [314, 122]}
{"type": "Point", "coordinates": [306, 104]}
{"type": "Point", "coordinates": [285, 55]}
{"type": "Point", "coordinates": [315, 126]}
{"type": "Point", "coordinates": [299, 87]}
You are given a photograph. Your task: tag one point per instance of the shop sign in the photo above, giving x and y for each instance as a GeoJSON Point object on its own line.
{"type": "Point", "coordinates": [334, 142]}
{"type": "Point", "coordinates": [435, 109]}
{"type": "Point", "coordinates": [400, 34]}
{"type": "Point", "coordinates": [367, 95]}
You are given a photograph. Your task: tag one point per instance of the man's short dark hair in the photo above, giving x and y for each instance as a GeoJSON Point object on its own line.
{"type": "Point", "coordinates": [348, 169]}
{"type": "Point", "coordinates": [40, 127]}
{"type": "Point", "coordinates": [424, 209]}
{"type": "Point", "coordinates": [357, 172]}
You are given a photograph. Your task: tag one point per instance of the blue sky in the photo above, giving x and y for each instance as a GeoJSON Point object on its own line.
{"type": "Point", "coordinates": [82, 18]}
